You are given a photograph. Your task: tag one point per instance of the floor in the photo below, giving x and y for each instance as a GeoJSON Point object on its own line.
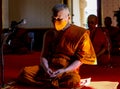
{"type": "Point", "coordinates": [15, 62]}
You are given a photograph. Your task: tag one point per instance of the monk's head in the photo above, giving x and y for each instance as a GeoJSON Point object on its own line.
{"type": "Point", "coordinates": [92, 21]}
{"type": "Point", "coordinates": [61, 16]}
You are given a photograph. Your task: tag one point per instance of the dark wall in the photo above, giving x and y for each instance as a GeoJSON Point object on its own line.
{"type": "Point", "coordinates": [0, 16]}
{"type": "Point", "coordinates": [39, 33]}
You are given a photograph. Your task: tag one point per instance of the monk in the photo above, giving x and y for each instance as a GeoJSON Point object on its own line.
{"type": "Point", "coordinates": [65, 49]}
{"type": "Point", "coordinates": [100, 40]}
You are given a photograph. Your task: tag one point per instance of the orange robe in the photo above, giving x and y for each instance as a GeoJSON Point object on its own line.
{"type": "Point", "coordinates": [100, 40]}
{"type": "Point", "coordinates": [61, 49]}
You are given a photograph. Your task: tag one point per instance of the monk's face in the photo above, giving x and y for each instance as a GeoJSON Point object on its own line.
{"type": "Point", "coordinates": [92, 22]}
{"type": "Point", "coordinates": [61, 20]}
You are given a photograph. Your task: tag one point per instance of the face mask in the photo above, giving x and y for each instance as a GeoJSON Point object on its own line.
{"type": "Point", "coordinates": [59, 25]}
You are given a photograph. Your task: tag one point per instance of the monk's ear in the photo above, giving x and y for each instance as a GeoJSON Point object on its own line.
{"type": "Point", "coordinates": [69, 18]}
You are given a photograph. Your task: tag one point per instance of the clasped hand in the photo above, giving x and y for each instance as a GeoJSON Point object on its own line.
{"type": "Point", "coordinates": [54, 73]}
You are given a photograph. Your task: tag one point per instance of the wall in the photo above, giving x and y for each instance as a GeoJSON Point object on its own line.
{"type": "Point", "coordinates": [36, 12]}
{"type": "Point", "coordinates": [5, 13]}
{"type": "Point", "coordinates": [108, 8]}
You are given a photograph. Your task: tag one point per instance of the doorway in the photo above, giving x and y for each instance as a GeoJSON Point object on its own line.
{"type": "Point", "coordinates": [80, 9]}
{"type": "Point", "coordinates": [91, 8]}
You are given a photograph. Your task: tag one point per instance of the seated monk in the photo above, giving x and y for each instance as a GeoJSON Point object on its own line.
{"type": "Point", "coordinates": [65, 49]}
{"type": "Point", "coordinates": [100, 41]}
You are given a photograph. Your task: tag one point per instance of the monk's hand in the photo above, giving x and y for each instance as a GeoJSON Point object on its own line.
{"type": "Point", "coordinates": [57, 72]}
{"type": "Point", "coordinates": [49, 71]}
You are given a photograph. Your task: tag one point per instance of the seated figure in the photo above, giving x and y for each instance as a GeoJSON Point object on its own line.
{"type": "Point", "coordinates": [114, 34]}
{"type": "Point", "coordinates": [100, 40]}
{"type": "Point", "coordinates": [18, 40]}
{"type": "Point", "coordinates": [65, 49]}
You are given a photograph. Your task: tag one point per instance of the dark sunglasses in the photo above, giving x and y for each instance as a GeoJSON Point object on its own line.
{"type": "Point", "coordinates": [56, 19]}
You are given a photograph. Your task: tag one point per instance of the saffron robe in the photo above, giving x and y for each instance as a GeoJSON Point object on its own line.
{"type": "Point", "coordinates": [100, 41]}
{"type": "Point", "coordinates": [61, 48]}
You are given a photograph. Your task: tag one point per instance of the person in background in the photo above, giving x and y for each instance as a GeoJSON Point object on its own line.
{"type": "Point", "coordinates": [114, 34]}
{"type": "Point", "coordinates": [65, 49]}
{"type": "Point", "coordinates": [99, 40]}
{"type": "Point", "coordinates": [17, 40]}
{"type": "Point", "coordinates": [111, 29]}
